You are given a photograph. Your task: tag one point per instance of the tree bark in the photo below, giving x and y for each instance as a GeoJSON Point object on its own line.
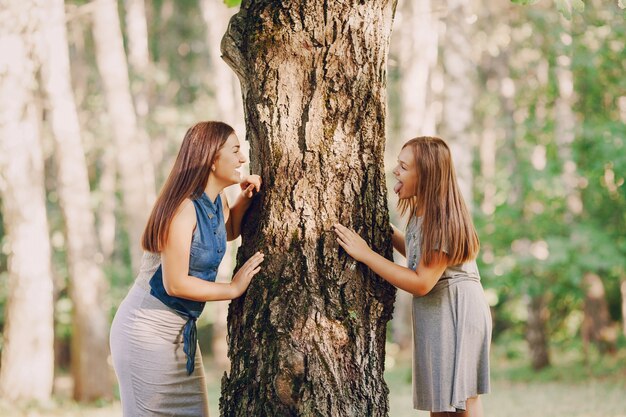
{"type": "Point", "coordinates": [136, 173]}
{"type": "Point", "coordinates": [308, 337]}
{"type": "Point", "coordinates": [27, 368]}
{"type": "Point", "coordinates": [536, 332]}
{"type": "Point", "coordinates": [88, 286]}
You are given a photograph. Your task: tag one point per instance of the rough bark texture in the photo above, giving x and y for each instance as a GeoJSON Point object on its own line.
{"type": "Point", "coordinates": [536, 332]}
{"type": "Point", "coordinates": [136, 173]}
{"type": "Point", "coordinates": [308, 337]}
{"type": "Point", "coordinates": [88, 285]}
{"type": "Point", "coordinates": [27, 368]}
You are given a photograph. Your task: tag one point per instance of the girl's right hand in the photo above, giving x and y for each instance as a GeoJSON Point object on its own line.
{"type": "Point", "coordinates": [242, 278]}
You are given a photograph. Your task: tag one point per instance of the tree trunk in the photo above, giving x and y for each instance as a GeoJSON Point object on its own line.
{"type": "Point", "coordinates": [459, 91]}
{"type": "Point", "coordinates": [136, 173]}
{"type": "Point", "coordinates": [597, 326]}
{"type": "Point", "coordinates": [27, 368]}
{"type": "Point", "coordinates": [138, 53]}
{"type": "Point", "coordinates": [107, 202]}
{"type": "Point", "coordinates": [565, 124]}
{"type": "Point", "coordinates": [308, 338]}
{"type": "Point", "coordinates": [623, 292]}
{"type": "Point", "coordinates": [536, 332]}
{"type": "Point", "coordinates": [416, 45]}
{"type": "Point", "coordinates": [88, 286]}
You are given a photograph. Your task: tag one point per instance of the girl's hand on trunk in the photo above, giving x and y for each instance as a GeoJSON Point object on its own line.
{"type": "Point", "coordinates": [352, 243]}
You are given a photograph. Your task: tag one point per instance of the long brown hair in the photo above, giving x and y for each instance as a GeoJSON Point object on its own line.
{"type": "Point", "coordinates": [188, 179]}
{"type": "Point", "coordinates": [447, 224]}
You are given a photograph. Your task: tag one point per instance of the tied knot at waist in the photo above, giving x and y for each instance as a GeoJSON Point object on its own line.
{"type": "Point", "coordinates": [190, 341]}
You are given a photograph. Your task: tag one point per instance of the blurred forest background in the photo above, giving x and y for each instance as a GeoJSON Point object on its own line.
{"type": "Point", "coordinates": [531, 98]}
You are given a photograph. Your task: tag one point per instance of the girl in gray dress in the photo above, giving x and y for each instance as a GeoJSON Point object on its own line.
{"type": "Point", "coordinates": [153, 335]}
{"type": "Point", "coordinates": [451, 318]}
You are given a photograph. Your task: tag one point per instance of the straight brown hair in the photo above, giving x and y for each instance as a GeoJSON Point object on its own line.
{"type": "Point", "coordinates": [447, 224]}
{"type": "Point", "coordinates": [188, 179]}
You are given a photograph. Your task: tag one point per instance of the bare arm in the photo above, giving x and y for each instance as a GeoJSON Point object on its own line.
{"type": "Point", "coordinates": [175, 261]}
{"type": "Point", "coordinates": [397, 240]}
{"type": "Point", "coordinates": [418, 282]}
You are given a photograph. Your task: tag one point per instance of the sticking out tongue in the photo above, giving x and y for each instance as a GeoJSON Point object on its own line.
{"type": "Point", "coordinates": [397, 187]}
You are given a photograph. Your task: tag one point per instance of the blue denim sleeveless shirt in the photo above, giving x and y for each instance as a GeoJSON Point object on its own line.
{"type": "Point", "coordinates": [207, 250]}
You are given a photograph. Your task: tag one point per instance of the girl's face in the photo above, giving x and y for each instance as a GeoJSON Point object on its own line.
{"type": "Point", "coordinates": [405, 173]}
{"type": "Point", "coordinates": [228, 161]}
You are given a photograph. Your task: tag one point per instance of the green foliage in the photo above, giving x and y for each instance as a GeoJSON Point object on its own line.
{"type": "Point", "coordinates": [533, 243]}
{"type": "Point", "coordinates": [524, 2]}
{"type": "Point", "coordinates": [567, 6]}
{"type": "Point", "coordinates": [232, 3]}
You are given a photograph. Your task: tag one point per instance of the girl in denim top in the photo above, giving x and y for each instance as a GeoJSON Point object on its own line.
{"type": "Point", "coordinates": [153, 335]}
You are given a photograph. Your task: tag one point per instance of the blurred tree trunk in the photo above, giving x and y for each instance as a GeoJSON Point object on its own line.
{"type": "Point", "coordinates": [536, 335]}
{"type": "Point", "coordinates": [103, 194]}
{"type": "Point", "coordinates": [623, 292]}
{"type": "Point", "coordinates": [88, 286]}
{"type": "Point", "coordinates": [135, 170]}
{"type": "Point", "coordinates": [414, 44]}
{"type": "Point", "coordinates": [597, 326]}
{"type": "Point", "coordinates": [138, 54]}
{"type": "Point", "coordinates": [107, 202]}
{"type": "Point", "coordinates": [27, 368]}
{"type": "Point", "coordinates": [308, 338]}
{"type": "Point", "coordinates": [459, 90]}
{"type": "Point", "coordinates": [565, 124]}
{"type": "Point", "coordinates": [228, 102]}
{"type": "Point", "coordinates": [141, 69]}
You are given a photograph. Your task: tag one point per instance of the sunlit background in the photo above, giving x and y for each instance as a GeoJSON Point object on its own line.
{"type": "Point", "coordinates": [531, 99]}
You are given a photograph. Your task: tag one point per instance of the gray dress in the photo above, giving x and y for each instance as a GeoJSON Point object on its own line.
{"type": "Point", "coordinates": [147, 350]}
{"type": "Point", "coordinates": [451, 335]}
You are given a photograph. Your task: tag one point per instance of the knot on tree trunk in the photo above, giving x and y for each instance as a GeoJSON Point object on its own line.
{"type": "Point", "coordinates": [289, 377]}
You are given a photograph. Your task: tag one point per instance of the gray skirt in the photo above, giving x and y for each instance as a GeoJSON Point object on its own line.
{"type": "Point", "coordinates": [451, 338]}
{"type": "Point", "coordinates": [147, 351]}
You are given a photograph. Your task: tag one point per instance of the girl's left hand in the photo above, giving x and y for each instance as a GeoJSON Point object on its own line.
{"type": "Point", "coordinates": [352, 243]}
{"type": "Point", "coordinates": [250, 185]}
